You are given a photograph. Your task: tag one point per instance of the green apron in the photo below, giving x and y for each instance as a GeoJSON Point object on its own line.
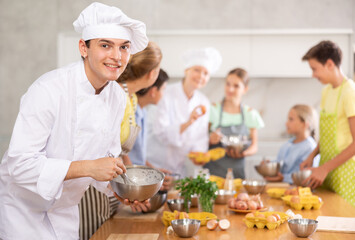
{"type": "Point", "coordinates": [342, 179]}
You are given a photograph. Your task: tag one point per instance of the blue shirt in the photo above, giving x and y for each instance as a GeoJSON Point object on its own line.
{"type": "Point", "coordinates": [293, 154]}
{"type": "Point", "coordinates": [138, 152]}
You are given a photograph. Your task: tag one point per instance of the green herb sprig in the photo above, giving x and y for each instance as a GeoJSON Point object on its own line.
{"type": "Point", "coordinates": [200, 186]}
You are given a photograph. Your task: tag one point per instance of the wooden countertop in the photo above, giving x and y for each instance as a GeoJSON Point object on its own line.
{"type": "Point", "coordinates": [333, 205]}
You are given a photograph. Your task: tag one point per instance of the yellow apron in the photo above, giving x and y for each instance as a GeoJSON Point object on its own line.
{"type": "Point", "coordinates": [342, 179]}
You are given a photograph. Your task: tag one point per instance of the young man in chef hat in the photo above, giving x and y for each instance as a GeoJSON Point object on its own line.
{"type": "Point", "coordinates": [69, 121]}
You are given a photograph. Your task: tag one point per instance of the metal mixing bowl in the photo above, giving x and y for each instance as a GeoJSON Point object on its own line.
{"type": "Point", "coordinates": [254, 186]}
{"type": "Point", "coordinates": [237, 142]}
{"type": "Point", "coordinates": [303, 227]}
{"type": "Point", "coordinates": [268, 169]}
{"type": "Point", "coordinates": [147, 183]}
{"type": "Point", "coordinates": [232, 142]}
{"type": "Point", "coordinates": [299, 177]}
{"type": "Point", "coordinates": [223, 196]}
{"type": "Point", "coordinates": [186, 227]}
{"type": "Point", "coordinates": [177, 204]}
{"type": "Point", "coordinates": [157, 201]}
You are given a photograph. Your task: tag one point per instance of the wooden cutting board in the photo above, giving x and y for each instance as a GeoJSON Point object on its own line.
{"type": "Point", "coordinates": [138, 236]}
{"type": "Point", "coordinates": [277, 185]}
{"type": "Point", "coordinates": [336, 224]}
{"type": "Point", "coordinates": [125, 212]}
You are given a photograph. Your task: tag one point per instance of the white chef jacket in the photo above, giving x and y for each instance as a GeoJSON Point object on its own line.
{"type": "Point", "coordinates": [166, 147]}
{"type": "Point", "coordinates": [60, 120]}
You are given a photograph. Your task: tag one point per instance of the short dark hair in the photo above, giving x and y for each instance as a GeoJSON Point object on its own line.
{"type": "Point", "coordinates": [162, 78]}
{"type": "Point", "coordinates": [323, 51]}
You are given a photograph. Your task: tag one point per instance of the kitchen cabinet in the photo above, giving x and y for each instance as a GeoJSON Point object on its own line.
{"type": "Point", "coordinates": [267, 53]}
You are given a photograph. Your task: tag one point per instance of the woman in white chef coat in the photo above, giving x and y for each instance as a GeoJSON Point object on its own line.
{"type": "Point", "coordinates": [67, 123]}
{"type": "Point", "coordinates": [181, 117]}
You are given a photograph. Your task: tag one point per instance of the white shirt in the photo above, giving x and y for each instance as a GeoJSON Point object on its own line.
{"type": "Point", "coordinates": [60, 120]}
{"type": "Point", "coordinates": [166, 147]}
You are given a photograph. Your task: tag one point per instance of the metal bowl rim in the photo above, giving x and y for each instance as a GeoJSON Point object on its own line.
{"type": "Point", "coordinates": [179, 222]}
{"type": "Point", "coordinates": [295, 221]}
{"type": "Point", "coordinates": [225, 192]}
{"type": "Point", "coordinates": [259, 182]}
{"type": "Point", "coordinates": [141, 167]}
{"type": "Point", "coordinates": [175, 201]}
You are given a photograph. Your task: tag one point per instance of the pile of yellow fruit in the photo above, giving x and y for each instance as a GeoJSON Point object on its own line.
{"type": "Point", "coordinates": [202, 216]}
{"type": "Point", "coordinates": [212, 155]}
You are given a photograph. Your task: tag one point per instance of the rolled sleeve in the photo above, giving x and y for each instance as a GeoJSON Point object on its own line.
{"type": "Point", "coordinates": [50, 181]}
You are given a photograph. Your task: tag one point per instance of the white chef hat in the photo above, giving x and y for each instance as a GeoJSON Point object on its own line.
{"type": "Point", "coordinates": [210, 58]}
{"type": "Point", "coordinates": [101, 21]}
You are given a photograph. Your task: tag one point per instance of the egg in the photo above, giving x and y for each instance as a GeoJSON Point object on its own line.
{"type": "Point", "coordinates": [271, 218]}
{"type": "Point", "coordinates": [231, 203]}
{"type": "Point", "coordinates": [243, 197]}
{"type": "Point", "coordinates": [212, 224]}
{"type": "Point", "coordinates": [295, 199]}
{"type": "Point", "coordinates": [250, 215]}
{"type": "Point", "coordinates": [224, 224]}
{"type": "Point", "coordinates": [277, 216]}
{"type": "Point", "coordinates": [203, 109]}
{"type": "Point", "coordinates": [252, 205]}
{"type": "Point", "coordinates": [294, 191]}
{"type": "Point", "coordinates": [241, 205]}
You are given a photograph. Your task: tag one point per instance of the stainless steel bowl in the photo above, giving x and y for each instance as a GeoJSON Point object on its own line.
{"type": "Point", "coordinates": [157, 201]}
{"type": "Point", "coordinates": [186, 227]}
{"type": "Point", "coordinates": [303, 227]}
{"type": "Point", "coordinates": [232, 142]}
{"type": "Point", "coordinates": [147, 183]}
{"type": "Point", "coordinates": [254, 186]}
{"type": "Point", "coordinates": [299, 177]}
{"type": "Point", "coordinates": [223, 196]}
{"type": "Point", "coordinates": [177, 204]}
{"type": "Point", "coordinates": [239, 143]}
{"type": "Point", "coordinates": [268, 169]}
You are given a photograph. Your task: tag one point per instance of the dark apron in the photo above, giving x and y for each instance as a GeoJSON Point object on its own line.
{"type": "Point", "coordinates": [219, 167]}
